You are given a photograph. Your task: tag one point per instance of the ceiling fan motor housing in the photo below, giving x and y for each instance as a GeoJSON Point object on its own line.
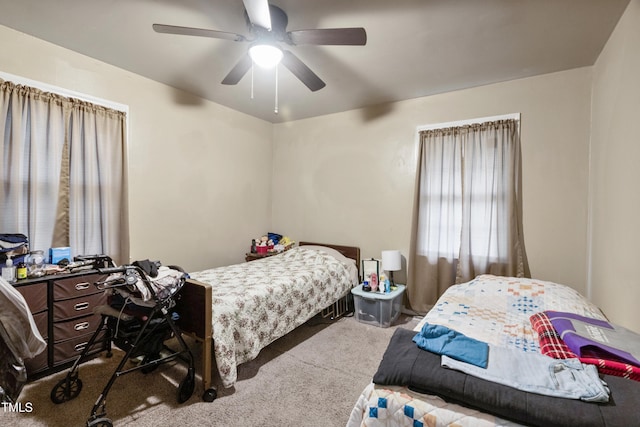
{"type": "Point", "coordinates": [278, 32]}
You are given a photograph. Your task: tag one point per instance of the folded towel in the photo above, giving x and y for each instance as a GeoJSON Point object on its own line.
{"type": "Point", "coordinates": [442, 340]}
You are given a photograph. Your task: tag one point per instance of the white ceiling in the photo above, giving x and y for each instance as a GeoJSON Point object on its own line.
{"type": "Point", "coordinates": [414, 48]}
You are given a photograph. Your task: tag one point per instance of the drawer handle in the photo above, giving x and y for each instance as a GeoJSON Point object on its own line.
{"type": "Point", "coordinates": [80, 347]}
{"type": "Point", "coordinates": [81, 326]}
{"type": "Point", "coordinates": [81, 306]}
{"type": "Point", "coordinates": [82, 286]}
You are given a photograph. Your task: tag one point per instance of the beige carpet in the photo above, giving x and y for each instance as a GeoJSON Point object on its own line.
{"type": "Point", "coordinates": [311, 377]}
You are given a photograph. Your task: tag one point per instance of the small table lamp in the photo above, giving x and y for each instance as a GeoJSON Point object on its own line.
{"type": "Point", "coordinates": [391, 261]}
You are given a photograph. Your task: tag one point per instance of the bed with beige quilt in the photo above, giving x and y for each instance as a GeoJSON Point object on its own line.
{"type": "Point", "coordinates": [239, 309]}
{"type": "Point", "coordinates": [412, 387]}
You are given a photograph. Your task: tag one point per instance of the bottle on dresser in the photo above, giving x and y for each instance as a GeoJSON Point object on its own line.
{"type": "Point", "coordinates": [21, 270]}
{"type": "Point", "coordinates": [9, 271]}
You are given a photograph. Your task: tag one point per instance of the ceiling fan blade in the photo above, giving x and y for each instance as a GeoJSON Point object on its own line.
{"type": "Point", "coordinates": [330, 36]}
{"type": "Point", "coordinates": [238, 71]}
{"type": "Point", "coordinates": [190, 31]}
{"type": "Point", "coordinates": [302, 72]}
{"type": "Point", "coordinates": [258, 12]}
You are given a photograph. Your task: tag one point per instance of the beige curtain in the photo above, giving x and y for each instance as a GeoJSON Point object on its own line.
{"type": "Point", "coordinates": [31, 158]}
{"type": "Point", "coordinates": [98, 207]}
{"type": "Point", "coordinates": [63, 178]}
{"type": "Point", "coordinates": [468, 209]}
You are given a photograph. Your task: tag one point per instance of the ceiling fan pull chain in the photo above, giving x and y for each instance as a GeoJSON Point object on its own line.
{"type": "Point", "coordinates": [251, 79]}
{"type": "Point", "coordinates": [275, 110]}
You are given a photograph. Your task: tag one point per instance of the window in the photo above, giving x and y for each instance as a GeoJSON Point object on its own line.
{"type": "Point", "coordinates": [63, 178]}
{"type": "Point", "coordinates": [468, 203]}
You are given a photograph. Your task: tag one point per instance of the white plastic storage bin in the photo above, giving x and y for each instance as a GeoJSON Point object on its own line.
{"type": "Point", "coordinates": [375, 308]}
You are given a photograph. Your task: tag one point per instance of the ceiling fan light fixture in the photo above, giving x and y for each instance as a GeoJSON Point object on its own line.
{"type": "Point", "coordinates": [265, 55]}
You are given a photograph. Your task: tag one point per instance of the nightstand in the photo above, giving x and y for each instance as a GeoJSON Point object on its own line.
{"type": "Point", "coordinates": [377, 308]}
{"type": "Point", "coordinates": [249, 256]}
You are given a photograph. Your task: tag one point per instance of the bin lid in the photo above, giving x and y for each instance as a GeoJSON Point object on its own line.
{"type": "Point", "coordinates": [378, 295]}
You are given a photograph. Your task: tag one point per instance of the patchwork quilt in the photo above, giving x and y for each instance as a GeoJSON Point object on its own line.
{"type": "Point", "coordinates": [496, 309]}
{"type": "Point", "coordinates": [386, 406]}
{"type": "Point", "coordinates": [257, 302]}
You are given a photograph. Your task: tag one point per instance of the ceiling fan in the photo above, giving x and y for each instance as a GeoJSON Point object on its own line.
{"type": "Point", "coordinates": [268, 31]}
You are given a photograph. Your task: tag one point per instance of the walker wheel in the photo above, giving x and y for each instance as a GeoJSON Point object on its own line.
{"type": "Point", "coordinates": [187, 386]}
{"type": "Point", "coordinates": [66, 389]}
{"type": "Point", "coordinates": [210, 395]}
{"type": "Point", "coordinates": [100, 422]}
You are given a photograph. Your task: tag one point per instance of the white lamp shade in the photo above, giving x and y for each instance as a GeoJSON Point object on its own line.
{"type": "Point", "coordinates": [391, 260]}
{"type": "Point", "coordinates": [265, 55]}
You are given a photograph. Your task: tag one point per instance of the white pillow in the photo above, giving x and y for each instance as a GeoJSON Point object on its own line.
{"type": "Point", "coordinates": [330, 251]}
{"type": "Point", "coordinates": [350, 263]}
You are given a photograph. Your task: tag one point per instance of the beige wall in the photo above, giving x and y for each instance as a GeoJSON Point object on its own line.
{"type": "Point", "coordinates": [205, 179]}
{"type": "Point", "coordinates": [349, 177]}
{"type": "Point", "coordinates": [198, 185]}
{"type": "Point", "coordinates": [615, 174]}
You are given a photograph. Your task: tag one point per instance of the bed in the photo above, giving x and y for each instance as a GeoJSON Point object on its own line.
{"type": "Point", "coordinates": [237, 310]}
{"type": "Point", "coordinates": [410, 387]}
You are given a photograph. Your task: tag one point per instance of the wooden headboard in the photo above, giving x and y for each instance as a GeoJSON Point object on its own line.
{"type": "Point", "coordinates": [352, 252]}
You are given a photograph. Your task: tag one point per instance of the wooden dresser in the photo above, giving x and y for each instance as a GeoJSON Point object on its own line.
{"type": "Point", "coordinates": [62, 307]}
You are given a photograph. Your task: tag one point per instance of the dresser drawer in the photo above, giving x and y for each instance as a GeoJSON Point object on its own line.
{"type": "Point", "coordinates": [70, 349]}
{"type": "Point", "coordinates": [35, 295]}
{"type": "Point", "coordinates": [74, 287]}
{"type": "Point", "coordinates": [38, 363]}
{"type": "Point", "coordinates": [42, 320]}
{"type": "Point", "coordinates": [41, 361]}
{"type": "Point", "coordinates": [77, 307]}
{"type": "Point", "coordinates": [68, 329]}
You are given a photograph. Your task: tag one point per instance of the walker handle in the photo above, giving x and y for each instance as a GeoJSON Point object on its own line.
{"type": "Point", "coordinates": [112, 270]}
